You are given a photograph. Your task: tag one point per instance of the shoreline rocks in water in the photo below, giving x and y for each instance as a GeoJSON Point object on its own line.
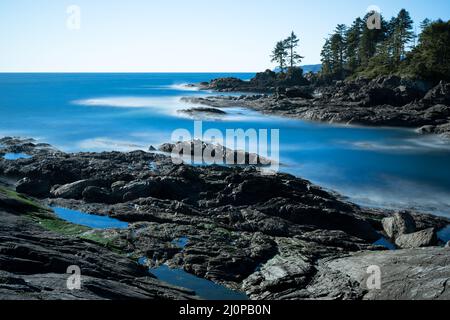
{"type": "Point", "coordinates": [203, 112]}
{"type": "Point", "coordinates": [274, 237]}
{"type": "Point", "coordinates": [384, 101]}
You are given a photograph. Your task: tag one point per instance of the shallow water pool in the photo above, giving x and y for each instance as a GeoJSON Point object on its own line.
{"type": "Point", "coordinates": [16, 156]}
{"type": "Point", "coordinates": [203, 288]}
{"type": "Point", "coordinates": [89, 220]}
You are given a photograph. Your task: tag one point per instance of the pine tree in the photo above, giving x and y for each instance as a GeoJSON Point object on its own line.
{"type": "Point", "coordinates": [425, 24]}
{"type": "Point", "coordinates": [352, 40]}
{"type": "Point", "coordinates": [280, 54]}
{"type": "Point", "coordinates": [338, 49]}
{"type": "Point", "coordinates": [327, 67]}
{"type": "Point", "coordinates": [291, 43]}
{"type": "Point", "coordinates": [403, 34]}
{"type": "Point", "coordinates": [370, 40]}
{"type": "Point", "coordinates": [430, 60]}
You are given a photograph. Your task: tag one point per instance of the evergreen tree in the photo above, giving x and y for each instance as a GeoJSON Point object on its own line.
{"type": "Point", "coordinates": [291, 44]}
{"type": "Point", "coordinates": [280, 54]}
{"type": "Point", "coordinates": [338, 49]}
{"type": "Point", "coordinates": [360, 50]}
{"type": "Point", "coordinates": [327, 67]}
{"type": "Point", "coordinates": [352, 40]}
{"type": "Point", "coordinates": [431, 58]}
{"type": "Point", "coordinates": [425, 24]}
{"type": "Point", "coordinates": [402, 35]}
{"type": "Point", "coordinates": [370, 40]}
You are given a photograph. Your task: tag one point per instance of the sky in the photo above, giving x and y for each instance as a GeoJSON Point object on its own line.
{"type": "Point", "coordinates": [175, 35]}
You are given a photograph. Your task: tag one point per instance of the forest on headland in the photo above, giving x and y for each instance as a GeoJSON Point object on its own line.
{"type": "Point", "coordinates": [392, 47]}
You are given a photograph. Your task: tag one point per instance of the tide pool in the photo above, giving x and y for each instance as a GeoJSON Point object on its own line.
{"type": "Point", "coordinates": [89, 220]}
{"type": "Point", "coordinates": [16, 156]}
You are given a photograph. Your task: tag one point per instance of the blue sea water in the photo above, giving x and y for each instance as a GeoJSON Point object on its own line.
{"type": "Point", "coordinates": [16, 156]}
{"type": "Point", "coordinates": [382, 167]}
{"type": "Point", "coordinates": [89, 220]}
{"type": "Point", "coordinates": [203, 288]}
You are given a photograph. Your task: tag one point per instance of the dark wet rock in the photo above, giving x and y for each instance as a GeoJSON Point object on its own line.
{"type": "Point", "coordinates": [384, 101]}
{"type": "Point", "coordinates": [97, 195]}
{"type": "Point", "coordinates": [265, 234]}
{"type": "Point", "coordinates": [400, 223]}
{"type": "Point", "coordinates": [413, 274]}
{"type": "Point", "coordinates": [202, 152]}
{"type": "Point", "coordinates": [439, 94]}
{"type": "Point", "coordinates": [424, 238]}
{"type": "Point", "coordinates": [34, 262]}
{"type": "Point", "coordinates": [429, 129]}
{"type": "Point", "coordinates": [225, 84]}
{"type": "Point", "coordinates": [72, 190]}
{"type": "Point", "coordinates": [203, 112]}
{"type": "Point", "coordinates": [266, 81]}
{"type": "Point", "coordinates": [298, 92]}
{"type": "Point", "coordinates": [37, 188]}
{"type": "Point", "coordinates": [135, 190]}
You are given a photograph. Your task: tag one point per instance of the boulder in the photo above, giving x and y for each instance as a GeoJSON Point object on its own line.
{"type": "Point", "coordinates": [424, 238]}
{"type": "Point", "coordinates": [400, 223]}
{"type": "Point", "coordinates": [135, 190]}
{"type": "Point", "coordinates": [410, 274]}
{"type": "Point", "coordinates": [390, 81]}
{"type": "Point", "coordinates": [72, 190]}
{"type": "Point", "coordinates": [439, 94]}
{"type": "Point", "coordinates": [428, 129]}
{"type": "Point", "coordinates": [225, 84]}
{"type": "Point", "coordinates": [298, 92]}
{"type": "Point", "coordinates": [97, 195]}
{"type": "Point", "coordinates": [35, 188]}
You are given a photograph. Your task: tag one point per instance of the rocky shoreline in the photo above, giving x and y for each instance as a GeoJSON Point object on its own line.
{"type": "Point", "coordinates": [272, 237]}
{"type": "Point", "coordinates": [384, 101]}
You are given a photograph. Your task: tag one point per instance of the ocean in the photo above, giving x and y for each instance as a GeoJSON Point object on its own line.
{"type": "Point", "coordinates": [379, 167]}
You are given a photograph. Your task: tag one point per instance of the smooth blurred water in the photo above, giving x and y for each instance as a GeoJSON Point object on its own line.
{"type": "Point", "coordinates": [384, 167]}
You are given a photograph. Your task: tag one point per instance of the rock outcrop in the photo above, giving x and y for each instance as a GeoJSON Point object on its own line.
{"type": "Point", "coordinates": [384, 101]}
{"type": "Point", "coordinates": [398, 224]}
{"type": "Point", "coordinates": [273, 236]}
{"type": "Point", "coordinates": [424, 238]}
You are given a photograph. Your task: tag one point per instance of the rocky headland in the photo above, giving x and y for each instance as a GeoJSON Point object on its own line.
{"type": "Point", "coordinates": [384, 101]}
{"type": "Point", "coordinates": [270, 236]}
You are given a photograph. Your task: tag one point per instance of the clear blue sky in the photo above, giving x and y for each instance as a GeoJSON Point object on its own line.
{"type": "Point", "coordinates": [175, 35]}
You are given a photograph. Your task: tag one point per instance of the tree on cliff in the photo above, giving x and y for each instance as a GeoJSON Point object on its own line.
{"type": "Point", "coordinates": [431, 58]}
{"type": "Point", "coordinates": [352, 40]}
{"type": "Point", "coordinates": [370, 40]}
{"type": "Point", "coordinates": [363, 51]}
{"type": "Point", "coordinates": [291, 44]}
{"type": "Point", "coordinates": [333, 53]}
{"type": "Point", "coordinates": [280, 54]}
{"type": "Point", "coordinates": [402, 34]}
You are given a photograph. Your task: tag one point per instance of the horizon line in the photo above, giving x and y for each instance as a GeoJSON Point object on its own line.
{"type": "Point", "coordinates": [139, 72]}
